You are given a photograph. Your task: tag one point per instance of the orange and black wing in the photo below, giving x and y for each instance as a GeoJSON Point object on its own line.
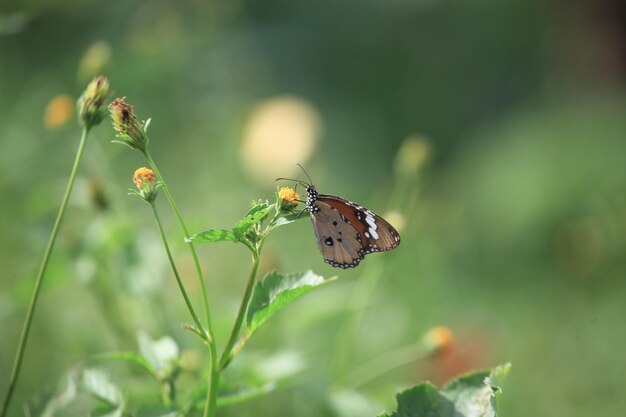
{"type": "Point", "coordinates": [346, 232]}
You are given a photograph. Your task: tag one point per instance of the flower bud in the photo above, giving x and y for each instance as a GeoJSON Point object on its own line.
{"type": "Point", "coordinates": [288, 199]}
{"type": "Point", "coordinates": [91, 109]}
{"type": "Point", "coordinates": [439, 339]}
{"type": "Point", "coordinates": [130, 131]}
{"type": "Point", "coordinates": [147, 184]}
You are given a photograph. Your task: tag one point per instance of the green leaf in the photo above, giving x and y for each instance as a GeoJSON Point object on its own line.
{"type": "Point", "coordinates": [255, 375]}
{"type": "Point", "coordinates": [256, 214]}
{"type": "Point", "coordinates": [161, 354]}
{"type": "Point", "coordinates": [97, 383]}
{"type": "Point", "coordinates": [275, 291]}
{"type": "Point", "coordinates": [472, 395]}
{"type": "Point", "coordinates": [290, 218]}
{"type": "Point", "coordinates": [213, 235]}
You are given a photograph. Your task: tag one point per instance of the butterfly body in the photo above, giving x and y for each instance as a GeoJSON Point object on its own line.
{"type": "Point", "coordinates": [346, 231]}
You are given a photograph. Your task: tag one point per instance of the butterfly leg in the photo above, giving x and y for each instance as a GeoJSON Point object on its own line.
{"type": "Point", "coordinates": [301, 211]}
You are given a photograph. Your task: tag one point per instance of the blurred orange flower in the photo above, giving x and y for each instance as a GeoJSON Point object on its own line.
{"type": "Point", "coordinates": [440, 339]}
{"type": "Point", "coordinates": [469, 351]}
{"type": "Point", "coordinates": [58, 111]}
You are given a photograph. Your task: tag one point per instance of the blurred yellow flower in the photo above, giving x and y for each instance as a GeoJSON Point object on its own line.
{"type": "Point", "coordinates": [94, 60]}
{"type": "Point", "coordinates": [58, 111]}
{"type": "Point", "coordinates": [280, 133]}
{"type": "Point", "coordinates": [439, 339]}
{"type": "Point", "coordinates": [412, 155]}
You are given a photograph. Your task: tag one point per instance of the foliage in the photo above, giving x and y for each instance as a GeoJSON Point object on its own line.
{"type": "Point", "coordinates": [472, 395]}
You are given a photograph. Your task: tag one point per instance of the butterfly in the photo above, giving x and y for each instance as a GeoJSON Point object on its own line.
{"type": "Point", "coordinates": [346, 231]}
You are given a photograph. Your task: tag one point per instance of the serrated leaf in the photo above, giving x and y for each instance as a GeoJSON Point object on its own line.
{"type": "Point", "coordinates": [161, 354]}
{"type": "Point", "coordinates": [213, 235]}
{"type": "Point", "coordinates": [275, 291]}
{"type": "Point", "coordinates": [255, 214]}
{"type": "Point", "coordinates": [472, 395]}
{"type": "Point", "coordinates": [97, 383]}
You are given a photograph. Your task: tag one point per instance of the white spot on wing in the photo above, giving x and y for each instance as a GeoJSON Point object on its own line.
{"type": "Point", "coordinates": [372, 222]}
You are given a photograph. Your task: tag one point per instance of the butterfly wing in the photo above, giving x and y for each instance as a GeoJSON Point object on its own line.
{"type": "Point", "coordinates": [346, 232]}
{"type": "Point", "coordinates": [337, 240]}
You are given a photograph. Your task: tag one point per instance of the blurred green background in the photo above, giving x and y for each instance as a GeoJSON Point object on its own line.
{"type": "Point", "coordinates": [514, 223]}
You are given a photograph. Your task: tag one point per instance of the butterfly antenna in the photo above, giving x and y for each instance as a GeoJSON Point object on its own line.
{"type": "Point", "coordinates": [305, 173]}
{"type": "Point", "coordinates": [302, 183]}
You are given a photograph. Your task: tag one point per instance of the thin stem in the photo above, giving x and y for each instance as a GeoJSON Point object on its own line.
{"type": "Point", "coordinates": [17, 364]}
{"type": "Point", "coordinates": [404, 198]}
{"type": "Point", "coordinates": [233, 347]}
{"type": "Point", "coordinates": [225, 358]}
{"type": "Point", "coordinates": [385, 363]}
{"type": "Point", "coordinates": [210, 406]}
{"type": "Point", "coordinates": [181, 222]}
{"type": "Point", "coordinates": [174, 269]}
{"type": "Point", "coordinates": [211, 402]}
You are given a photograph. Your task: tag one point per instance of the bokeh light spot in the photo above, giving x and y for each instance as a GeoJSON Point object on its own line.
{"type": "Point", "coordinates": [58, 111]}
{"type": "Point", "coordinates": [280, 133]}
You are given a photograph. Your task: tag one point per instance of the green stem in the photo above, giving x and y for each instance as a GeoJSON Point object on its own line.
{"type": "Point", "coordinates": [176, 274]}
{"type": "Point", "coordinates": [181, 222]}
{"type": "Point", "coordinates": [385, 363]}
{"type": "Point", "coordinates": [211, 402]}
{"type": "Point", "coordinates": [226, 354]}
{"type": "Point", "coordinates": [17, 364]}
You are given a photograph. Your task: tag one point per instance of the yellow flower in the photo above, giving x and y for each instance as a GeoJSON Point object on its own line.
{"type": "Point", "coordinates": [289, 195]}
{"type": "Point", "coordinates": [144, 176]}
{"type": "Point", "coordinates": [439, 339]}
{"type": "Point", "coordinates": [288, 198]}
{"type": "Point", "coordinates": [147, 184]}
